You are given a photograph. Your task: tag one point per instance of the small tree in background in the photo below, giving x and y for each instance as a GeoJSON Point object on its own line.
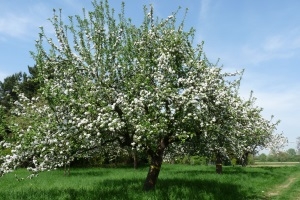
{"type": "Point", "coordinates": [298, 145]}
{"type": "Point", "coordinates": [262, 157]}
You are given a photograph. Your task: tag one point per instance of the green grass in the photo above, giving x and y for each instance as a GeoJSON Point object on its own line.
{"type": "Point", "coordinates": [175, 182]}
{"type": "Point", "coordinates": [292, 191]}
{"type": "Point", "coordinates": [276, 164]}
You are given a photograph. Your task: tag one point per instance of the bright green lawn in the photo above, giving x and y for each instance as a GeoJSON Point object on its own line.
{"type": "Point", "coordinates": [175, 182]}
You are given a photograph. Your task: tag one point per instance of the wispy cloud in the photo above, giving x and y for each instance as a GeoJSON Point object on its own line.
{"type": "Point", "coordinates": [22, 24]}
{"type": "Point", "coordinates": [14, 25]}
{"type": "Point", "coordinates": [281, 101]}
{"type": "Point", "coordinates": [280, 46]}
{"type": "Point", "coordinates": [204, 8]}
{"type": "Point", "coordinates": [285, 106]}
{"type": "Point", "coordinates": [276, 47]}
{"type": "Point", "coordinates": [274, 43]}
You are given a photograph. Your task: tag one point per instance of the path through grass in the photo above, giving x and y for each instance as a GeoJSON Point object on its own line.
{"type": "Point", "coordinates": [289, 189]}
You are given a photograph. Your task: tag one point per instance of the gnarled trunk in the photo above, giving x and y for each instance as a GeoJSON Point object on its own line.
{"type": "Point", "coordinates": [156, 162]}
{"type": "Point", "coordinates": [153, 173]}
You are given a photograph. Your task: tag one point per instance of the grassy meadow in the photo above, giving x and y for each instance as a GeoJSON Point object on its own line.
{"type": "Point", "coordinates": [175, 182]}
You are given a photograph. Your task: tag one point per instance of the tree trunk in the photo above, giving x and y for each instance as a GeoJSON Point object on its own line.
{"type": "Point", "coordinates": [135, 159]}
{"type": "Point", "coordinates": [156, 162]}
{"type": "Point", "coordinates": [67, 169]}
{"type": "Point", "coordinates": [245, 159]}
{"type": "Point", "coordinates": [153, 173]}
{"type": "Point", "coordinates": [219, 167]}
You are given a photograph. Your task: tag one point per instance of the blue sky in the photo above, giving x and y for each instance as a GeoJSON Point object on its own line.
{"type": "Point", "coordinates": [262, 37]}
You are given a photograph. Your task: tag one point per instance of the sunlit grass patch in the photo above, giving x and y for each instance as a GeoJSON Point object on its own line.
{"type": "Point", "coordinates": [175, 182]}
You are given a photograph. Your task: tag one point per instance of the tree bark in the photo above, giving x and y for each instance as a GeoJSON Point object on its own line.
{"type": "Point", "coordinates": [219, 167]}
{"type": "Point", "coordinates": [67, 169]}
{"type": "Point", "coordinates": [156, 162]}
{"type": "Point", "coordinates": [135, 159]}
{"type": "Point", "coordinates": [153, 173]}
{"type": "Point", "coordinates": [244, 159]}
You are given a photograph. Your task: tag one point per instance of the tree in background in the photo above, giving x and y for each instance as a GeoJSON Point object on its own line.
{"type": "Point", "coordinates": [3, 123]}
{"type": "Point", "coordinates": [289, 155]}
{"type": "Point", "coordinates": [262, 157]}
{"type": "Point", "coordinates": [107, 85]}
{"type": "Point", "coordinates": [238, 133]}
{"type": "Point", "coordinates": [7, 90]}
{"type": "Point", "coordinates": [276, 143]}
{"type": "Point", "coordinates": [16, 84]}
{"type": "Point", "coordinates": [10, 89]}
{"type": "Point", "coordinates": [298, 145]}
{"type": "Point", "coordinates": [291, 152]}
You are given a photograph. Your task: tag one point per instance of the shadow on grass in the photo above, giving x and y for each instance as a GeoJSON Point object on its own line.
{"type": "Point", "coordinates": [177, 185]}
{"type": "Point", "coordinates": [202, 189]}
{"type": "Point", "coordinates": [266, 171]}
{"type": "Point", "coordinates": [171, 188]}
{"type": "Point", "coordinates": [93, 173]}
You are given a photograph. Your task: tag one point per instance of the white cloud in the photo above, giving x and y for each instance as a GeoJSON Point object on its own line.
{"type": "Point", "coordinates": [274, 43]}
{"type": "Point", "coordinates": [204, 8]}
{"type": "Point", "coordinates": [280, 46]}
{"type": "Point", "coordinates": [279, 101]}
{"type": "Point", "coordinates": [14, 25]}
{"type": "Point", "coordinates": [23, 24]}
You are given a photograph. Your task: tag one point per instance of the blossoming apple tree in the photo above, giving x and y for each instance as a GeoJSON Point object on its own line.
{"type": "Point", "coordinates": [237, 128]}
{"type": "Point", "coordinates": [109, 84]}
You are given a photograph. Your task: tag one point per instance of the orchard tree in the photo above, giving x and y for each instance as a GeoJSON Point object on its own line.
{"type": "Point", "coordinates": [298, 145]}
{"type": "Point", "coordinates": [255, 129]}
{"type": "Point", "coordinates": [107, 84]}
{"type": "Point", "coordinates": [239, 130]}
{"type": "Point", "coordinates": [276, 143]}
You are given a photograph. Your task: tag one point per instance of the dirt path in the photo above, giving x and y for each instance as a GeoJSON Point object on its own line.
{"type": "Point", "coordinates": [285, 185]}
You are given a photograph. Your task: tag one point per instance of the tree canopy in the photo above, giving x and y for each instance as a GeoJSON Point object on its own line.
{"type": "Point", "coordinates": [109, 84]}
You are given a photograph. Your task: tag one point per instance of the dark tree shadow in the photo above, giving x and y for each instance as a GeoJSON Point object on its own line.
{"type": "Point", "coordinates": [125, 189]}
{"type": "Point", "coordinates": [166, 188]}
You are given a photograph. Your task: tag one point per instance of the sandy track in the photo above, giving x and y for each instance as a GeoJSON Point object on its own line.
{"type": "Point", "coordinates": [277, 190]}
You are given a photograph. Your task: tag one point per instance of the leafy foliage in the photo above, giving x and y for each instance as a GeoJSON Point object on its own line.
{"type": "Point", "coordinates": [107, 85]}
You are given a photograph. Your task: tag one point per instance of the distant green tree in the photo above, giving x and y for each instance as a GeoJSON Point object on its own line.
{"type": "Point", "coordinates": [2, 123]}
{"type": "Point", "coordinates": [282, 156]}
{"type": "Point", "coordinates": [10, 89]}
{"type": "Point", "coordinates": [291, 152]}
{"type": "Point", "coordinates": [298, 145]}
{"type": "Point", "coordinates": [30, 84]}
{"type": "Point", "coordinates": [271, 158]}
{"type": "Point", "coordinates": [17, 83]}
{"type": "Point", "coordinates": [7, 90]}
{"type": "Point", "coordinates": [262, 157]}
